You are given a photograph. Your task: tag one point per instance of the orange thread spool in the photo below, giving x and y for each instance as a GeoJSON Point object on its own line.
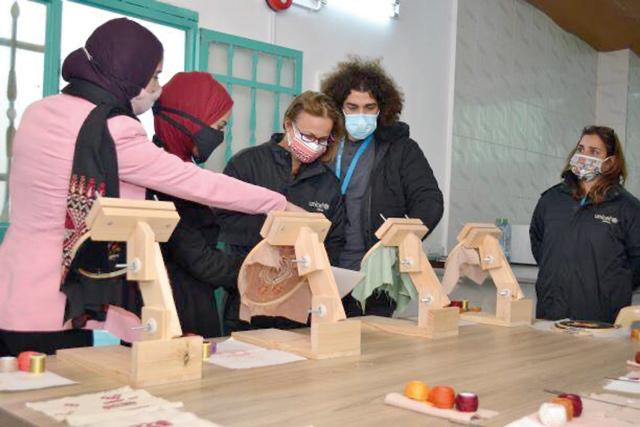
{"type": "Point", "coordinates": [442, 397]}
{"type": "Point", "coordinates": [567, 403]}
{"type": "Point", "coordinates": [24, 360]}
{"type": "Point", "coordinates": [635, 334]}
{"type": "Point", "coordinates": [417, 390]}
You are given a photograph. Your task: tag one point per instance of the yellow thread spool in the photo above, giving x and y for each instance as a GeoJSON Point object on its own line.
{"type": "Point", "coordinates": [206, 350]}
{"type": "Point", "coordinates": [37, 363]}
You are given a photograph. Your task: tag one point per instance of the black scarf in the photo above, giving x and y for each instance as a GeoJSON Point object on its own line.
{"type": "Point", "coordinates": [94, 174]}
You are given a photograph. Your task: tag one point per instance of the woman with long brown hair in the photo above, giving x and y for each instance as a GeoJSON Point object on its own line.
{"type": "Point", "coordinates": [585, 234]}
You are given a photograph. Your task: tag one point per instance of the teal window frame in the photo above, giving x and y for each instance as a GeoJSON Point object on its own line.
{"type": "Point", "coordinates": [257, 47]}
{"type": "Point", "coordinates": [150, 10]}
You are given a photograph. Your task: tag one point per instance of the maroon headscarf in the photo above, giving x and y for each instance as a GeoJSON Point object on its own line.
{"type": "Point", "coordinates": [197, 94]}
{"type": "Point", "coordinates": [124, 56]}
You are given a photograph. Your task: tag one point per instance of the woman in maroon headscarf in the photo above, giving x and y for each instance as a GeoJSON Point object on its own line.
{"type": "Point", "coordinates": [69, 149]}
{"type": "Point", "coordinates": [190, 117]}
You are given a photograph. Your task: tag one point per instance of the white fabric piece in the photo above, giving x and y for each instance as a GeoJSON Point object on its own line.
{"type": "Point", "coordinates": [233, 354]}
{"type": "Point", "coordinates": [163, 417]}
{"type": "Point", "coordinates": [102, 406]}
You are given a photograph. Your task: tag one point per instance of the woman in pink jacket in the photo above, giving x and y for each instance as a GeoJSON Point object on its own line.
{"type": "Point", "coordinates": [69, 149]}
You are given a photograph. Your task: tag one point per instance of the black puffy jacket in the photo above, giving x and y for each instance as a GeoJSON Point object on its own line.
{"type": "Point", "coordinates": [588, 255]}
{"type": "Point", "coordinates": [401, 183]}
{"type": "Point", "coordinates": [196, 267]}
{"type": "Point", "coordinates": [314, 188]}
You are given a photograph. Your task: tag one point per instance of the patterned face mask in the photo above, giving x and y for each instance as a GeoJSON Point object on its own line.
{"type": "Point", "coordinates": [585, 167]}
{"type": "Point", "coordinates": [305, 151]}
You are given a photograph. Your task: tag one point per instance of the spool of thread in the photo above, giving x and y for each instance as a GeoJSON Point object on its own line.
{"type": "Point", "coordinates": [8, 364]}
{"type": "Point", "coordinates": [455, 303]}
{"type": "Point", "coordinates": [638, 357]}
{"type": "Point", "coordinates": [552, 415]}
{"type": "Point", "coordinates": [577, 403]}
{"type": "Point", "coordinates": [214, 347]}
{"type": "Point", "coordinates": [635, 334]}
{"type": "Point", "coordinates": [417, 390]}
{"type": "Point", "coordinates": [475, 309]}
{"type": "Point", "coordinates": [568, 406]}
{"type": "Point", "coordinates": [206, 350]}
{"type": "Point", "coordinates": [442, 397]}
{"type": "Point", "coordinates": [37, 363]}
{"type": "Point", "coordinates": [467, 402]}
{"type": "Point", "coordinates": [465, 305]}
{"type": "Point", "coordinates": [24, 361]}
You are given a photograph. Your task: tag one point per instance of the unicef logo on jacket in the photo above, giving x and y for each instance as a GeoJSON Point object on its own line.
{"type": "Point", "coordinates": [606, 219]}
{"type": "Point", "coordinates": [319, 206]}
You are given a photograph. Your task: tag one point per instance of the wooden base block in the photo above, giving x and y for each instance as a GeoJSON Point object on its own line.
{"type": "Point", "coordinates": [326, 340]}
{"type": "Point", "coordinates": [146, 363]}
{"type": "Point", "coordinates": [490, 319]}
{"type": "Point", "coordinates": [518, 312]}
{"type": "Point", "coordinates": [442, 323]}
{"type": "Point", "coordinates": [112, 361]}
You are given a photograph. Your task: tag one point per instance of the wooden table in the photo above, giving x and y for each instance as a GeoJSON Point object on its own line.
{"type": "Point", "coordinates": [507, 367]}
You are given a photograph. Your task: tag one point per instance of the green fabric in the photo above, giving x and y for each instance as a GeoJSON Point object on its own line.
{"type": "Point", "coordinates": [382, 275]}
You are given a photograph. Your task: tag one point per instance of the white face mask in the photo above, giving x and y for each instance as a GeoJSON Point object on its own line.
{"type": "Point", "coordinates": [144, 101]}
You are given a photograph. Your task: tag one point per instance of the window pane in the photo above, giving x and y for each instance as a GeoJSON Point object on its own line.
{"type": "Point", "coordinates": [267, 68]}
{"type": "Point", "coordinates": [31, 20]}
{"type": "Point", "coordinates": [218, 58]}
{"type": "Point", "coordinates": [242, 63]}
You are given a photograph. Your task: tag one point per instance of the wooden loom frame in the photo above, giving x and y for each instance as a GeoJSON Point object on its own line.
{"type": "Point", "coordinates": [331, 335]}
{"type": "Point", "coordinates": [512, 309]}
{"type": "Point", "coordinates": [435, 318]}
{"type": "Point", "coordinates": [163, 355]}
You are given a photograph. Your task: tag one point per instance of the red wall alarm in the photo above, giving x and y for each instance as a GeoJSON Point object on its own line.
{"type": "Point", "coordinates": [279, 5]}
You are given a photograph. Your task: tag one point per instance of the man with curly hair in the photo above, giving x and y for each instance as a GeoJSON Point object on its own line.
{"type": "Point", "coordinates": [382, 171]}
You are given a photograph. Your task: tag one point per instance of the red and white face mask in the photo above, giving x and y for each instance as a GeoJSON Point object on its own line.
{"type": "Point", "coordinates": [306, 149]}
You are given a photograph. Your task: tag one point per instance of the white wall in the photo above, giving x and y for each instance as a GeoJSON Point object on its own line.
{"type": "Point", "coordinates": [524, 90]}
{"type": "Point", "coordinates": [611, 91]}
{"type": "Point", "coordinates": [632, 145]}
{"type": "Point", "coordinates": [417, 50]}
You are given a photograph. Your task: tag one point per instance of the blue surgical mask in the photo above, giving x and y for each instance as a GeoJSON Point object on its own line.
{"type": "Point", "coordinates": [360, 126]}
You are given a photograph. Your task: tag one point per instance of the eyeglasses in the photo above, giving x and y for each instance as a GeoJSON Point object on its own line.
{"type": "Point", "coordinates": [323, 142]}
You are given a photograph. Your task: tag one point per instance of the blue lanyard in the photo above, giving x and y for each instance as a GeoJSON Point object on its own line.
{"type": "Point", "coordinates": [352, 165]}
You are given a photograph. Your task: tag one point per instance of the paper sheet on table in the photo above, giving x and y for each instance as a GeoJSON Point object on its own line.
{"type": "Point", "coordinates": [235, 354]}
{"type": "Point", "coordinates": [103, 406]}
{"type": "Point", "coordinates": [632, 387]}
{"type": "Point", "coordinates": [346, 279]}
{"type": "Point", "coordinates": [163, 417]}
{"type": "Point", "coordinates": [21, 381]}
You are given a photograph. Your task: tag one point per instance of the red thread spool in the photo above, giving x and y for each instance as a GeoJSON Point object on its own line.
{"type": "Point", "coordinates": [467, 402]}
{"type": "Point", "coordinates": [455, 303]}
{"type": "Point", "coordinates": [638, 357]}
{"type": "Point", "coordinates": [24, 360]}
{"type": "Point", "coordinates": [576, 400]}
{"type": "Point", "coordinates": [442, 397]}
